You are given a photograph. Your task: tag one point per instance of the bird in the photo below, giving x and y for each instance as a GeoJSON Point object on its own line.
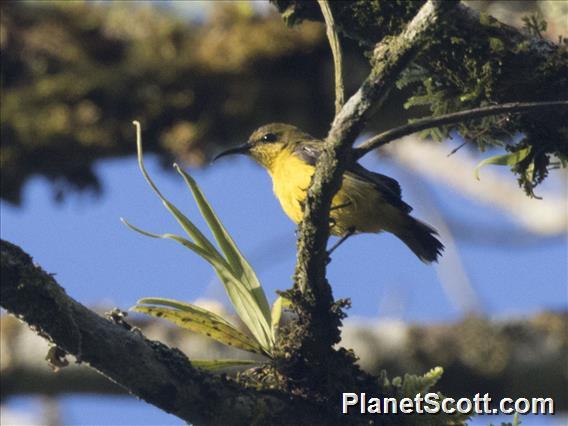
{"type": "Point", "coordinates": [366, 202]}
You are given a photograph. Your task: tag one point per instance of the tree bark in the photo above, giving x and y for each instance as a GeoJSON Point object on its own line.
{"type": "Point", "coordinates": [149, 370]}
{"type": "Point", "coordinates": [504, 368]}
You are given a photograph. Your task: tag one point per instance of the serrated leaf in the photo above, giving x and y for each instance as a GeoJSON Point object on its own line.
{"type": "Point", "coordinates": [221, 364]}
{"type": "Point", "coordinates": [205, 323]}
{"type": "Point", "coordinates": [504, 160]}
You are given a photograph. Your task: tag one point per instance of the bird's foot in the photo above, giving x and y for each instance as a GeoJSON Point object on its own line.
{"type": "Point", "coordinates": [345, 236]}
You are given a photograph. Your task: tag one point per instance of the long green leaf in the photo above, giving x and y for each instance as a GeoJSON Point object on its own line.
{"type": "Point", "coordinates": [277, 308]}
{"type": "Point", "coordinates": [247, 309]}
{"type": "Point", "coordinates": [185, 223]}
{"type": "Point", "coordinates": [213, 260]}
{"type": "Point", "coordinates": [235, 272]}
{"type": "Point", "coordinates": [504, 160]}
{"type": "Point", "coordinates": [240, 266]}
{"type": "Point", "coordinates": [241, 299]}
{"type": "Point", "coordinates": [182, 306]}
{"type": "Point", "coordinates": [188, 307]}
{"type": "Point", "coordinates": [206, 324]}
{"type": "Point", "coordinates": [221, 364]}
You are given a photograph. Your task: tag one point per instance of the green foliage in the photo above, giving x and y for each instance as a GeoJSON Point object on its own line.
{"type": "Point", "coordinates": [278, 307]}
{"type": "Point", "coordinates": [367, 21]}
{"type": "Point", "coordinates": [473, 63]}
{"type": "Point", "coordinates": [504, 160]}
{"type": "Point", "coordinates": [535, 25]}
{"type": "Point", "coordinates": [485, 69]}
{"type": "Point", "coordinates": [236, 274]}
{"type": "Point", "coordinates": [200, 321]}
{"type": "Point", "coordinates": [409, 386]}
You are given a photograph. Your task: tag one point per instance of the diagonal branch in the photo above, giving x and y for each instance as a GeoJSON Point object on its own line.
{"type": "Point", "coordinates": [150, 370]}
{"type": "Point", "coordinates": [455, 117]}
{"type": "Point", "coordinates": [390, 58]}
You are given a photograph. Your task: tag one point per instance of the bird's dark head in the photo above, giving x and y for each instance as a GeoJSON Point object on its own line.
{"type": "Point", "coordinates": [266, 142]}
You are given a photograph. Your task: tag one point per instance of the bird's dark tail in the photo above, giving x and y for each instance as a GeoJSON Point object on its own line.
{"type": "Point", "coordinates": [420, 238]}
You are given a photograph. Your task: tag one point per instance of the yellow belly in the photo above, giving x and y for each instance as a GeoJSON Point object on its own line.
{"type": "Point", "coordinates": [356, 205]}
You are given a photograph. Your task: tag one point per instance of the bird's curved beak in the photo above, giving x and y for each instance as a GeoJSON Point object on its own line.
{"type": "Point", "coordinates": [241, 149]}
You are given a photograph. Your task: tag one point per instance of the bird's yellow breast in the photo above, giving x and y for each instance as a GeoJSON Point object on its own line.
{"type": "Point", "coordinates": [356, 205]}
{"type": "Point", "coordinates": [290, 179]}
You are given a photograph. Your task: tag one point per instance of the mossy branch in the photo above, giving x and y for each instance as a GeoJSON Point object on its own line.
{"type": "Point", "coordinates": [390, 58]}
{"type": "Point", "coordinates": [452, 118]}
{"type": "Point", "coordinates": [503, 368]}
{"type": "Point", "coordinates": [474, 61]}
{"type": "Point", "coordinates": [150, 370]}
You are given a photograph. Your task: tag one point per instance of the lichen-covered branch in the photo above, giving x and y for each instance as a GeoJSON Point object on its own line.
{"type": "Point", "coordinates": [309, 343]}
{"type": "Point", "coordinates": [451, 118]}
{"type": "Point", "coordinates": [390, 58]}
{"type": "Point", "coordinates": [149, 370]}
{"type": "Point", "coordinates": [504, 366]}
{"type": "Point", "coordinates": [476, 61]}
{"type": "Point", "coordinates": [234, 83]}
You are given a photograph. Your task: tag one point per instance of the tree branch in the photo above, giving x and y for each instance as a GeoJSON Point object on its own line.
{"type": "Point", "coordinates": [150, 370]}
{"type": "Point", "coordinates": [505, 368]}
{"type": "Point", "coordinates": [452, 118]}
{"type": "Point", "coordinates": [335, 46]}
{"type": "Point", "coordinates": [473, 61]}
{"type": "Point", "coordinates": [390, 58]}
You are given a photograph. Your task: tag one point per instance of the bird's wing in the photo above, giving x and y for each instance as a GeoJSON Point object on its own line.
{"type": "Point", "coordinates": [308, 151]}
{"type": "Point", "coordinates": [387, 186]}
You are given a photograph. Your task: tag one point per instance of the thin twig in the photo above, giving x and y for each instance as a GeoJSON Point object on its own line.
{"type": "Point", "coordinates": [453, 151]}
{"type": "Point", "coordinates": [335, 45]}
{"type": "Point", "coordinates": [455, 117]}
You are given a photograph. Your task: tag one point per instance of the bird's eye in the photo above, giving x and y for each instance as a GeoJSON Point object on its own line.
{"type": "Point", "coordinates": [268, 137]}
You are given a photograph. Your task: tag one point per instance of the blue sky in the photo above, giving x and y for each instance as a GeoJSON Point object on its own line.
{"type": "Point", "coordinates": [100, 261]}
{"type": "Point", "coordinates": [97, 259]}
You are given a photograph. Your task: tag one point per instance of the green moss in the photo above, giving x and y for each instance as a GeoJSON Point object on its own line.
{"type": "Point", "coordinates": [373, 20]}
{"type": "Point", "coordinates": [496, 45]}
{"type": "Point", "coordinates": [90, 69]}
{"type": "Point", "coordinates": [486, 20]}
{"type": "Point", "coordinates": [471, 69]}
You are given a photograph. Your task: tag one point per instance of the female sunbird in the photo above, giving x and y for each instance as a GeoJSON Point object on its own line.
{"type": "Point", "coordinates": [365, 202]}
